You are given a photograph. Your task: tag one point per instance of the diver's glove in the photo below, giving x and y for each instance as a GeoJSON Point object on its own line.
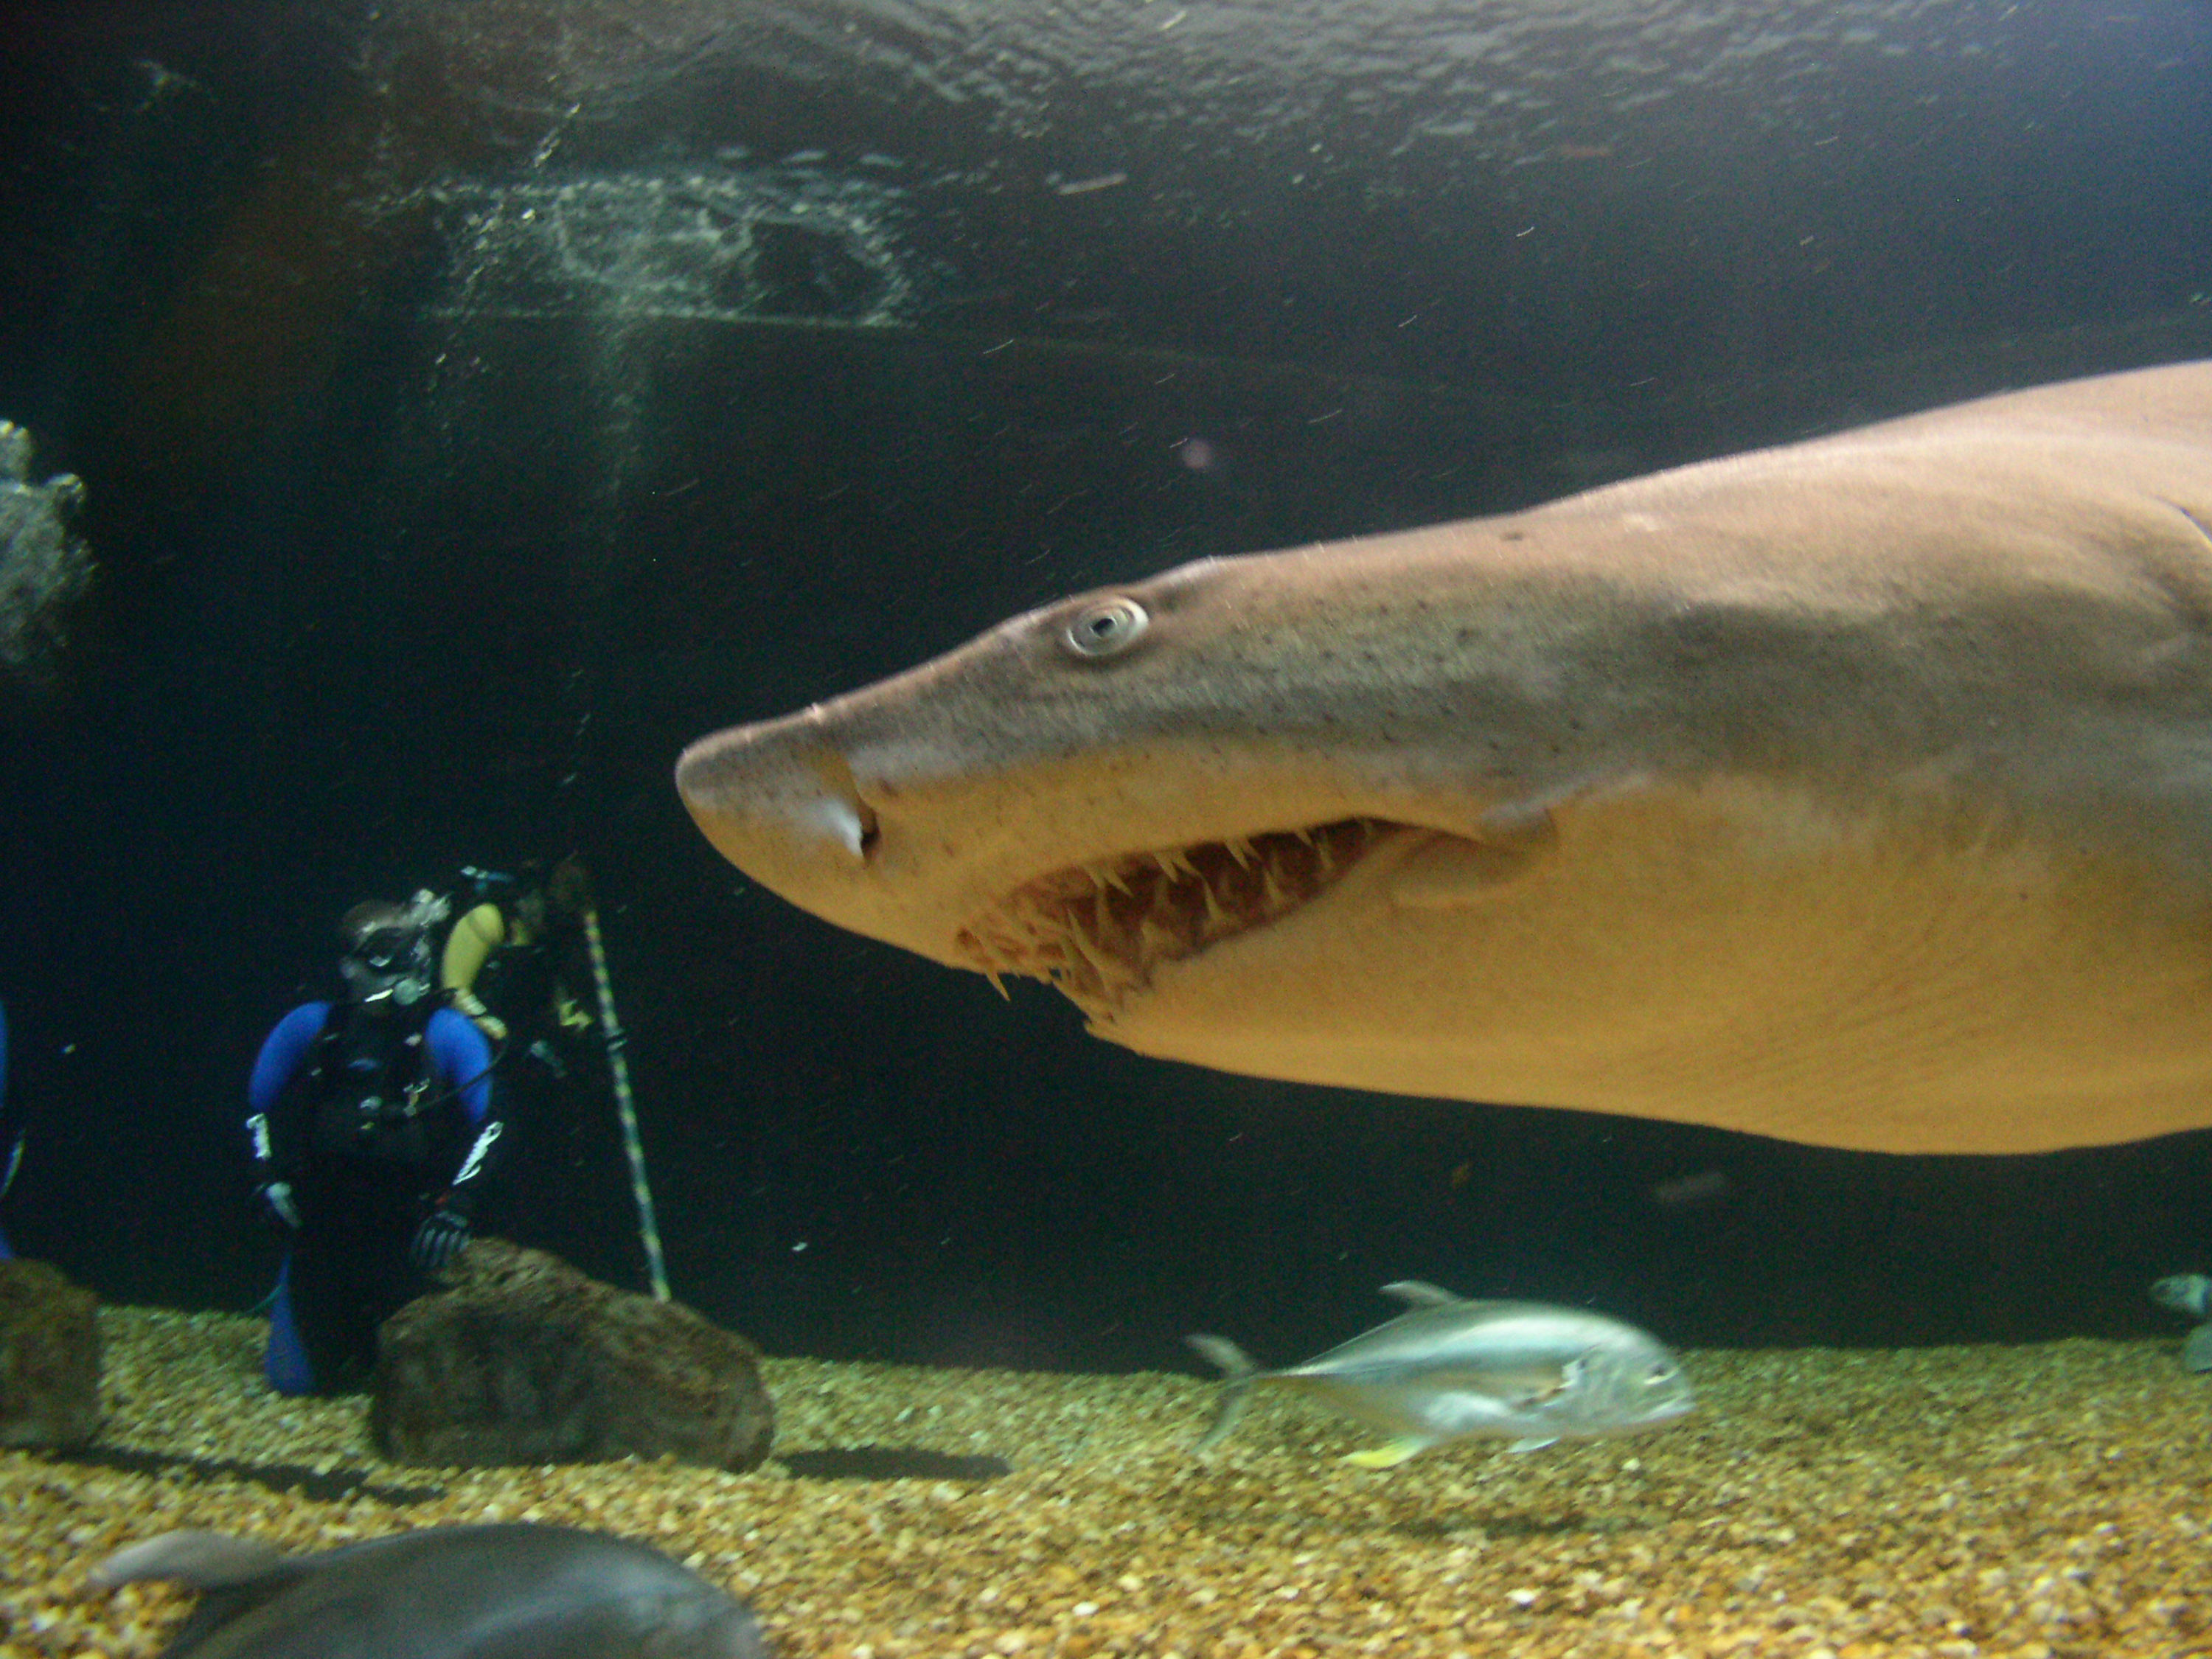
{"type": "Point", "coordinates": [441, 1236]}
{"type": "Point", "coordinates": [274, 1203]}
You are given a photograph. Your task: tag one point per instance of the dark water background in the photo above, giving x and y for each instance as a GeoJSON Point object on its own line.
{"type": "Point", "coordinates": [479, 401]}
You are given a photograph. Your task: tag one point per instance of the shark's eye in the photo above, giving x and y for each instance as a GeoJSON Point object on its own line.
{"type": "Point", "coordinates": [1105, 628]}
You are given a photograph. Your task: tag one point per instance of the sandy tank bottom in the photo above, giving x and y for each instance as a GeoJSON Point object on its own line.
{"type": "Point", "coordinates": [2050, 1500]}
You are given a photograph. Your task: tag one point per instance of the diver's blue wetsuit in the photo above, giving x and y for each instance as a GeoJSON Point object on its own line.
{"type": "Point", "coordinates": [363, 1175]}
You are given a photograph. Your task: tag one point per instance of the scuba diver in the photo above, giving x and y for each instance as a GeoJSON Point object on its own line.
{"type": "Point", "coordinates": [514, 963]}
{"type": "Point", "coordinates": [510, 960]}
{"type": "Point", "coordinates": [373, 1137]}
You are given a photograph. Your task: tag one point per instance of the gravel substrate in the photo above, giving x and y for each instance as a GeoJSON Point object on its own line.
{"type": "Point", "coordinates": [2041, 1501]}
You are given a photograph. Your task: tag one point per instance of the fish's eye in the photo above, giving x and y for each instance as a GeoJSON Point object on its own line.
{"type": "Point", "coordinates": [1105, 628]}
{"type": "Point", "coordinates": [1661, 1371]}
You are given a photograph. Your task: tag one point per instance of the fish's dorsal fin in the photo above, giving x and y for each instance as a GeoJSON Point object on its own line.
{"type": "Point", "coordinates": [204, 1560]}
{"type": "Point", "coordinates": [1418, 1293]}
{"type": "Point", "coordinates": [234, 1575]}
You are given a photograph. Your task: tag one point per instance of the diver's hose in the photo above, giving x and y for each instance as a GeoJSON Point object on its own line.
{"type": "Point", "coordinates": [648, 1230]}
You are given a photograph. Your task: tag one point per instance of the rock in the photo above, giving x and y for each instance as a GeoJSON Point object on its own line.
{"type": "Point", "coordinates": [43, 567]}
{"type": "Point", "coordinates": [524, 1360]}
{"type": "Point", "coordinates": [49, 1358]}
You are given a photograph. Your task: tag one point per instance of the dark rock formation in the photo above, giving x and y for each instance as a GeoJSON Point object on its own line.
{"type": "Point", "coordinates": [524, 1360]}
{"type": "Point", "coordinates": [49, 1358]}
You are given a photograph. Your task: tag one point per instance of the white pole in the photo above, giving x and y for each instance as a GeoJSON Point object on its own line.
{"type": "Point", "coordinates": [648, 1230]}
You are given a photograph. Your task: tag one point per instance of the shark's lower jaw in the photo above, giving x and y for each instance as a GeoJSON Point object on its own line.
{"type": "Point", "coordinates": [1097, 931]}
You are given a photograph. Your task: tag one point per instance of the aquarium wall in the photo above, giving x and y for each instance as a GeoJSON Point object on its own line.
{"type": "Point", "coordinates": [473, 403]}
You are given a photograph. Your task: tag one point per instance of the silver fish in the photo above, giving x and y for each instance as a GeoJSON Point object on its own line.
{"type": "Point", "coordinates": [475, 1592]}
{"type": "Point", "coordinates": [1451, 1369]}
{"type": "Point", "coordinates": [2190, 1294]}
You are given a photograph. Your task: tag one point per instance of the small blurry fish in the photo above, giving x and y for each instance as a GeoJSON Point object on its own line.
{"type": "Point", "coordinates": [1688, 1192]}
{"type": "Point", "coordinates": [480, 1592]}
{"type": "Point", "coordinates": [2190, 1294]}
{"type": "Point", "coordinates": [1447, 1369]}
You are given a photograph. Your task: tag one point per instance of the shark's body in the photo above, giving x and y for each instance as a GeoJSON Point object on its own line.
{"type": "Point", "coordinates": [1858, 792]}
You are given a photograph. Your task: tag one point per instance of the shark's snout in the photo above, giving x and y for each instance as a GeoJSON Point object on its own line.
{"type": "Point", "coordinates": [779, 802]}
{"type": "Point", "coordinates": [805, 808]}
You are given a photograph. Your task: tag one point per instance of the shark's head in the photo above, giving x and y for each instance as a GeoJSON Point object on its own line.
{"type": "Point", "coordinates": [1109, 791]}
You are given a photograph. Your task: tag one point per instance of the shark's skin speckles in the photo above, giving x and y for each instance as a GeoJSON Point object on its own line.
{"type": "Point", "coordinates": [1858, 792]}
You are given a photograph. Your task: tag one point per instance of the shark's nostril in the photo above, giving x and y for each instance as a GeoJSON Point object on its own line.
{"type": "Point", "coordinates": [848, 822]}
{"type": "Point", "coordinates": [839, 807]}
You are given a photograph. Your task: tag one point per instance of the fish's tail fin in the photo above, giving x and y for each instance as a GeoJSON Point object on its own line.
{"type": "Point", "coordinates": [1239, 1374]}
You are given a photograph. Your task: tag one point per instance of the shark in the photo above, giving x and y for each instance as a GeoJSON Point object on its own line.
{"type": "Point", "coordinates": [459, 1592]}
{"type": "Point", "coordinates": [1855, 792]}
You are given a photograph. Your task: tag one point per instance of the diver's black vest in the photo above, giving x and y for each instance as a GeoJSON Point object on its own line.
{"type": "Point", "coordinates": [371, 1088]}
{"type": "Point", "coordinates": [519, 981]}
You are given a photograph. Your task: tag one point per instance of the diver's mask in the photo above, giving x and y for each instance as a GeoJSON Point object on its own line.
{"type": "Point", "coordinates": [389, 960]}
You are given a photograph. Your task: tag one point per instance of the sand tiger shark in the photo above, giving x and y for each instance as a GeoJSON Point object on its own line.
{"type": "Point", "coordinates": [1856, 792]}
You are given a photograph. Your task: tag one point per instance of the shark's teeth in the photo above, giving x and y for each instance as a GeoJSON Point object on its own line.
{"type": "Point", "coordinates": [1107, 969]}
{"type": "Point", "coordinates": [1097, 930]}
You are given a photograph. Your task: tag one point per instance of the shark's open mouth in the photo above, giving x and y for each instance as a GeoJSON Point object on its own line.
{"type": "Point", "coordinates": [1097, 931]}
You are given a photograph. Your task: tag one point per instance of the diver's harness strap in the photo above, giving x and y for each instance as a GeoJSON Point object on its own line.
{"type": "Point", "coordinates": [372, 1087]}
